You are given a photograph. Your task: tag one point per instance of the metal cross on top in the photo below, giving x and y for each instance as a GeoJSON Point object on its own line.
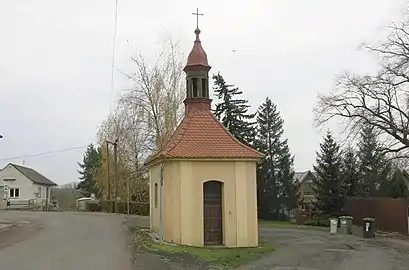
{"type": "Point", "coordinates": [197, 17]}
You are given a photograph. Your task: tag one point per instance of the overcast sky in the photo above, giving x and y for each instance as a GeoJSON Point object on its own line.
{"type": "Point", "coordinates": [55, 63]}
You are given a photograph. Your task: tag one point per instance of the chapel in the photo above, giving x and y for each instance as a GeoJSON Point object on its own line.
{"type": "Point", "coordinates": [203, 181]}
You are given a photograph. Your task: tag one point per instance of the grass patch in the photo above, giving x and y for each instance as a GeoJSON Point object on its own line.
{"type": "Point", "coordinates": [217, 256]}
{"type": "Point", "coordinates": [290, 225]}
{"type": "Point", "coordinates": [225, 257]}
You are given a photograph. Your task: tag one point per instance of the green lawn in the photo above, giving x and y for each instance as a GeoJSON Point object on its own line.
{"type": "Point", "coordinates": [290, 225]}
{"type": "Point", "coordinates": [218, 256]}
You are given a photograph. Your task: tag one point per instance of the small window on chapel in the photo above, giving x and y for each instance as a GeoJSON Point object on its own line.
{"type": "Point", "coordinates": [204, 88]}
{"type": "Point", "coordinates": [156, 195]}
{"type": "Point", "coordinates": [187, 87]}
{"type": "Point", "coordinates": [195, 85]}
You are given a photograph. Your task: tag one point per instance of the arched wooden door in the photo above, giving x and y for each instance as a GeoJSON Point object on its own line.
{"type": "Point", "coordinates": [212, 211]}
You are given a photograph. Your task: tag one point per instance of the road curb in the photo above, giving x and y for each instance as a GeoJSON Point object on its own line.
{"type": "Point", "coordinates": [2, 221]}
{"type": "Point", "coordinates": [5, 227]}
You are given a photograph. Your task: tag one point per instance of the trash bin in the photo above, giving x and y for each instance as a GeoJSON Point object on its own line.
{"type": "Point", "coordinates": [346, 224]}
{"type": "Point", "coordinates": [333, 225]}
{"type": "Point", "coordinates": [368, 227]}
{"type": "Point", "coordinates": [343, 225]}
{"type": "Point", "coordinates": [349, 224]}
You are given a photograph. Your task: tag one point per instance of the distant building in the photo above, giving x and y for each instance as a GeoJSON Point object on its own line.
{"type": "Point", "coordinates": [23, 183]}
{"type": "Point", "coordinates": [305, 191]}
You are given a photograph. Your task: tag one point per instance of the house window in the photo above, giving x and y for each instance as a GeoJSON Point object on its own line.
{"type": "Point", "coordinates": [39, 192]}
{"type": "Point", "coordinates": [9, 179]}
{"type": "Point", "coordinates": [14, 193]}
{"type": "Point", "coordinates": [156, 195]}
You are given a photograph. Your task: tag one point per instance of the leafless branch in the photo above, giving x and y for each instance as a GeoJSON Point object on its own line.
{"type": "Point", "coordinates": [379, 100]}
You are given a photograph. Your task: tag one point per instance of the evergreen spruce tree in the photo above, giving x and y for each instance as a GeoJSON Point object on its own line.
{"type": "Point", "coordinates": [88, 169]}
{"type": "Point", "coordinates": [350, 173]}
{"type": "Point", "coordinates": [286, 178]}
{"type": "Point", "coordinates": [374, 168]}
{"type": "Point", "coordinates": [327, 184]}
{"type": "Point", "coordinates": [275, 174]}
{"type": "Point", "coordinates": [398, 187]}
{"type": "Point", "coordinates": [233, 111]}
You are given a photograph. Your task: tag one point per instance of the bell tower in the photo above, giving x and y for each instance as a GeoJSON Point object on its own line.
{"type": "Point", "coordinates": [197, 76]}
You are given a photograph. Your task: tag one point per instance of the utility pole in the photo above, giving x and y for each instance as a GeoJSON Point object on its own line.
{"type": "Point", "coordinates": [115, 144]}
{"type": "Point", "coordinates": [116, 168]}
{"type": "Point", "coordinates": [109, 177]}
{"type": "Point", "coordinates": [128, 195]}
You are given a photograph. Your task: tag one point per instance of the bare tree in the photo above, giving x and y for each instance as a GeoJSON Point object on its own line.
{"type": "Point", "coordinates": [379, 100]}
{"type": "Point", "coordinates": [143, 120]}
{"type": "Point", "coordinates": [126, 125]}
{"type": "Point", "coordinates": [158, 92]}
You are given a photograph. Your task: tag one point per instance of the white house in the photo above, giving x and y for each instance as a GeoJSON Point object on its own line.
{"type": "Point", "coordinates": [24, 184]}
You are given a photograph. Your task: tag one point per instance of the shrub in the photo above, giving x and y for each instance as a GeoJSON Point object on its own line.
{"type": "Point", "coordinates": [322, 221]}
{"type": "Point", "coordinates": [141, 209]}
{"type": "Point", "coordinates": [121, 207]}
{"type": "Point", "coordinates": [107, 206]}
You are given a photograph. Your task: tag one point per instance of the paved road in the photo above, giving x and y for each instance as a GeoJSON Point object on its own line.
{"type": "Point", "coordinates": [65, 241]}
{"type": "Point", "coordinates": [68, 241]}
{"type": "Point", "coordinates": [314, 250]}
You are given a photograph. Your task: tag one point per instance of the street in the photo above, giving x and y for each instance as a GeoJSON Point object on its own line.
{"type": "Point", "coordinates": [98, 241]}
{"type": "Point", "coordinates": [65, 241]}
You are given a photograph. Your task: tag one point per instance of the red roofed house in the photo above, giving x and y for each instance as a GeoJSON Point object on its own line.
{"type": "Point", "coordinates": [209, 178]}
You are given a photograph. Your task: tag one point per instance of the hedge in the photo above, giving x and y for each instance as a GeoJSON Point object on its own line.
{"type": "Point", "coordinates": [107, 206]}
{"type": "Point", "coordinates": [121, 207]}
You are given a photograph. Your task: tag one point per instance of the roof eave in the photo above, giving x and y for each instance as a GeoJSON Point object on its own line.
{"type": "Point", "coordinates": [180, 158]}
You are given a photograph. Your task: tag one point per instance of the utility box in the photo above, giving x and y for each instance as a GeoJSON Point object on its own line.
{"type": "Point", "coordinates": [333, 225]}
{"type": "Point", "coordinates": [368, 227]}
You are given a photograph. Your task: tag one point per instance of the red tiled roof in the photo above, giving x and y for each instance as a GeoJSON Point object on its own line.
{"type": "Point", "coordinates": [197, 55]}
{"type": "Point", "coordinates": [201, 135]}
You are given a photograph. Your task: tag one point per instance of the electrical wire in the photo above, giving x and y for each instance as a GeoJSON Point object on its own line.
{"type": "Point", "coordinates": [113, 57]}
{"type": "Point", "coordinates": [110, 101]}
{"type": "Point", "coordinates": [45, 153]}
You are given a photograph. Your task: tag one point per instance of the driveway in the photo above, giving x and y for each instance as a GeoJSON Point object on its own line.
{"type": "Point", "coordinates": [315, 250]}
{"type": "Point", "coordinates": [65, 241]}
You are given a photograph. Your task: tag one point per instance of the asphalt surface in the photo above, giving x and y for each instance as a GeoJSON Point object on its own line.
{"type": "Point", "coordinates": [64, 241]}
{"type": "Point", "coordinates": [316, 250]}
{"type": "Point", "coordinates": [77, 241]}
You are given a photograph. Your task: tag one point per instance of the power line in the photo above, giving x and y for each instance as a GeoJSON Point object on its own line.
{"type": "Point", "coordinates": [45, 153]}
{"type": "Point", "coordinates": [113, 56]}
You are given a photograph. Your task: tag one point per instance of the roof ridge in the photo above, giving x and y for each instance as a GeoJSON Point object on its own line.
{"type": "Point", "coordinates": [234, 138]}
{"type": "Point", "coordinates": [303, 171]}
{"type": "Point", "coordinates": [16, 165]}
{"type": "Point", "coordinates": [24, 170]}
